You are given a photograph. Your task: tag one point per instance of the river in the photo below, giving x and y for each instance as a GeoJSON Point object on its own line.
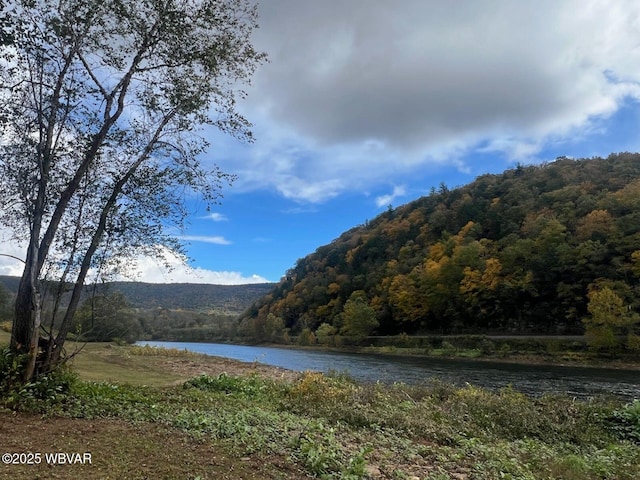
{"type": "Point", "coordinates": [581, 382]}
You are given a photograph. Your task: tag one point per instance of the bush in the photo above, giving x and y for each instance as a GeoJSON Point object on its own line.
{"type": "Point", "coordinates": [306, 338]}
{"type": "Point", "coordinates": [625, 422]}
{"type": "Point", "coordinates": [41, 394]}
{"type": "Point", "coordinates": [487, 347]}
{"type": "Point", "coordinates": [11, 366]}
{"type": "Point", "coordinates": [448, 349]}
{"type": "Point", "coordinates": [322, 455]}
{"type": "Point", "coordinates": [149, 351]}
{"type": "Point", "coordinates": [633, 343]}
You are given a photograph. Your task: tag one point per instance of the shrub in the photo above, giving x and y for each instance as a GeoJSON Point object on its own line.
{"type": "Point", "coordinates": [325, 334]}
{"type": "Point", "coordinates": [41, 394]}
{"type": "Point", "coordinates": [242, 386]}
{"type": "Point", "coordinates": [149, 351]}
{"type": "Point", "coordinates": [625, 422]}
{"type": "Point", "coordinates": [487, 347]}
{"type": "Point", "coordinates": [448, 348]}
{"type": "Point", "coordinates": [633, 342]}
{"type": "Point", "coordinates": [306, 337]}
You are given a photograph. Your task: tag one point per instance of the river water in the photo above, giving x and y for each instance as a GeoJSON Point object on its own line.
{"type": "Point", "coordinates": [580, 382]}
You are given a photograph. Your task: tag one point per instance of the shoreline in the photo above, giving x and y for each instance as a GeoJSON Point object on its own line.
{"type": "Point", "coordinates": [514, 358]}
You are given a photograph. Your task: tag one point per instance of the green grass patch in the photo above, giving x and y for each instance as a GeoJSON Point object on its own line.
{"type": "Point", "coordinates": [106, 362]}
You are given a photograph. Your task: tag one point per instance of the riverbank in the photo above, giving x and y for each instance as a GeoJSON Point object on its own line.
{"type": "Point", "coordinates": [551, 356]}
{"type": "Point", "coordinates": [558, 359]}
{"type": "Point", "coordinates": [264, 423]}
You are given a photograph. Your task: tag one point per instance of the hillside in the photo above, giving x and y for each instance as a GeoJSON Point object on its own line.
{"type": "Point", "coordinates": [133, 311]}
{"type": "Point", "coordinates": [229, 299]}
{"type": "Point", "coordinates": [517, 252]}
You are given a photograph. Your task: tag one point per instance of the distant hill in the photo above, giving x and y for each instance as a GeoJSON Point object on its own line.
{"type": "Point", "coordinates": [227, 299]}
{"type": "Point", "coordinates": [514, 252]}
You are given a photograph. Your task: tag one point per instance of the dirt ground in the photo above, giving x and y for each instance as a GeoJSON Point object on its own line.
{"type": "Point", "coordinates": [188, 368]}
{"type": "Point", "coordinates": [113, 449]}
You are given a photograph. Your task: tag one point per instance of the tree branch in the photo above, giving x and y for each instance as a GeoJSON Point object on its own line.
{"type": "Point", "coordinates": [12, 256]}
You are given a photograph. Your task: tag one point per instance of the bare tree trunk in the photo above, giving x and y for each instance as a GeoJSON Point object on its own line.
{"type": "Point", "coordinates": [25, 333]}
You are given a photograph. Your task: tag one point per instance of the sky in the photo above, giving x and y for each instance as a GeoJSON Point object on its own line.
{"type": "Point", "coordinates": [369, 103]}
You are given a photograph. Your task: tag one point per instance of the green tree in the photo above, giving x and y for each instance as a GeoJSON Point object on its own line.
{"type": "Point", "coordinates": [306, 337]}
{"type": "Point", "coordinates": [100, 111]}
{"type": "Point", "coordinates": [274, 328]}
{"type": "Point", "coordinates": [358, 318]}
{"type": "Point", "coordinates": [5, 303]}
{"type": "Point", "coordinates": [107, 317]}
{"type": "Point", "coordinates": [325, 334]}
{"type": "Point", "coordinates": [610, 320]}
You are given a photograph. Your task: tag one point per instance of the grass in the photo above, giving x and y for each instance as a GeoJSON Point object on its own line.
{"type": "Point", "coordinates": [252, 423]}
{"type": "Point", "coordinates": [109, 362]}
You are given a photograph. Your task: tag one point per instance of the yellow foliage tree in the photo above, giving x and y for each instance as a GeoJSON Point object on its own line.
{"type": "Point", "coordinates": [405, 300]}
{"type": "Point", "coordinates": [610, 321]}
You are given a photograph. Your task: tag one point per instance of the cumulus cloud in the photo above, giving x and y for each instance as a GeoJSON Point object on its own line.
{"type": "Point", "coordinates": [384, 200]}
{"type": "Point", "coordinates": [427, 71]}
{"type": "Point", "coordinates": [174, 269]}
{"type": "Point", "coordinates": [12, 254]}
{"type": "Point", "coordinates": [356, 91]}
{"type": "Point", "coordinates": [171, 269]}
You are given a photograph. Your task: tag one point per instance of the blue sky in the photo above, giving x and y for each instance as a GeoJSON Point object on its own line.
{"type": "Point", "coordinates": [370, 103]}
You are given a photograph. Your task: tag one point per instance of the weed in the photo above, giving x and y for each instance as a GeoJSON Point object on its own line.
{"type": "Point", "coordinates": [149, 351]}
{"type": "Point", "coordinates": [332, 426]}
{"type": "Point", "coordinates": [249, 386]}
{"type": "Point", "coordinates": [319, 450]}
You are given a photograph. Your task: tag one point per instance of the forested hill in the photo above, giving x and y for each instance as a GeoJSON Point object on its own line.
{"type": "Point", "coordinates": [514, 252]}
{"type": "Point", "coordinates": [228, 299]}
{"type": "Point", "coordinates": [192, 296]}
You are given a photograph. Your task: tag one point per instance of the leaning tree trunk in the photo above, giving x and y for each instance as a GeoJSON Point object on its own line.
{"type": "Point", "coordinates": [25, 333]}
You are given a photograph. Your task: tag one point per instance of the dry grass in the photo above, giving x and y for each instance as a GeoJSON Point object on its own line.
{"type": "Point", "coordinates": [107, 362]}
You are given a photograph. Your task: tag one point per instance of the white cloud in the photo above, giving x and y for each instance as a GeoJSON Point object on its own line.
{"type": "Point", "coordinates": [215, 239]}
{"type": "Point", "coordinates": [384, 200]}
{"type": "Point", "coordinates": [10, 253]}
{"type": "Point", "coordinates": [174, 269]}
{"type": "Point", "coordinates": [422, 72]}
{"type": "Point", "coordinates": [143, 269]}
{"type": "Point", "coordinates": [216, 217]}
{"type": "Point", "coordinates": [10, 266]}
{"type": "Point", "coordinates": [386, 89]}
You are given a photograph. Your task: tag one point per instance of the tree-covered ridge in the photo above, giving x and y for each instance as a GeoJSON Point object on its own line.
{"type": "Point", "coordinates": [199, 297]}
{"type": "Point", "coordinates": [521, 251]}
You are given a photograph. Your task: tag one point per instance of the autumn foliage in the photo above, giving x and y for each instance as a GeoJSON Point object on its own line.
{"type": "Point", "coordinates": [526, 251]}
